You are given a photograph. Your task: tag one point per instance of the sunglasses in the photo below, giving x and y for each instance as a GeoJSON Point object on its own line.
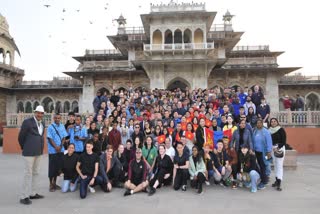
{"type": "Point", "coordinates": [137, 127]}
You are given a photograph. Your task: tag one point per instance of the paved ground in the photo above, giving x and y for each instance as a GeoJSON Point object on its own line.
{"type": "Point", "coordinates": [301, 193]}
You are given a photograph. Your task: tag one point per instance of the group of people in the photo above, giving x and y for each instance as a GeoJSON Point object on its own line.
{"type": "Point", "coordinates": [143, 140]}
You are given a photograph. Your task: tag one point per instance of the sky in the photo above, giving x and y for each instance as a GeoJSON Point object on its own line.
{"type": "Point", "coordinates": [48, 37]}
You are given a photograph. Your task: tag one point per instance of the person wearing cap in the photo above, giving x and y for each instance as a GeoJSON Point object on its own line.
{"type": "Point", "coordinates": [248, 173]}
{"type": "Point", "coordinates": [56, 135]}
{"type": "Point", "coordinates": [31, 141]}
{"type": "Point", "coordinates": [137, 175]}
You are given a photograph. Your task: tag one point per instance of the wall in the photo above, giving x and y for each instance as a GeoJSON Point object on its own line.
{"type": "Point", "coordinates": [304, 140]}
{"type": "Point", "coordinates": [10, 141]}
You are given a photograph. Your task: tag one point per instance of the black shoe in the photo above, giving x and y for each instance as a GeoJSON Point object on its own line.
{"type": "Point", "coordinates": [184, 188]}
{"type": "Point", "coordinates": [279, 185]}
{"type": "Point", "coordinates": [25, 201]}
{"type": "Point", "coordinates": [36, 196]}
{"type": "Point", "coordinates": [152, 191]}
{"type": "Point", "coordinates": [127, 192]}
{"type": "Point", "coordinates": [276, 183]}
{"type": "Point", "coordinates": [224, 183]}
{"type": "Point", "coordinates": [234, 185]}
{"type": "Point", "coordinates": [200, 189]}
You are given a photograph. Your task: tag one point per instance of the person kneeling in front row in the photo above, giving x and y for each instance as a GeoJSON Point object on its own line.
{"type": "Point", "coordinates": [88, 167]}
{"type": "Point", "coordinates": [137, 175]}
{"type": "Point", "coordinates": [249, 171]}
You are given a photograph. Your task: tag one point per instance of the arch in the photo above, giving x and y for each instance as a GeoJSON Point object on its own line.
{"type": "Point", "coordinates": [312, 101]}
{"type": "Point", "coordinates": [8, 58]}
{"type": "Point", "coordinates": [168, 37]}
{"type": "Point", "coordinates": [123, 88]}
{"type": "Point", "coordinates": [235, 86]}
{"type": "Point", "coordinates": [217, 88]}
{"type": "Point", "coordinates": [178, 83]}
{"type": "Point", "coordinates": [58, 108]}
{"type": "Point", "coordinates": [35, 104]}
{"type": "Point", "coordinates": [177, 36]}
{"type": "Point", "coordinates": [48, 104]}
{"type": "Point", "coordinates": [20, 107]}
{"type": "Point", "coordinates": [157, 37]}
{"type": "Point", "coordinates": [198, 36]}
{"type": "Point", "coordinates": [66, 107]}
{"type": "Point", "coordinates": [28, 107]}
{"type": "Point", "coordinates": [75, 106]}
{"type": "Point", "coordinates": [187, 36]}
{"type": "Point", "coordinates": [104, 90]}
{"type": "Point", "coordinates": [260, 87]}
{"type": "Point", "coordinates": [1, 55]}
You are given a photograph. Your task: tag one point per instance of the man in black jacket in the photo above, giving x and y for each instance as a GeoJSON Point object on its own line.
{"type": "Point", "coordinates": [31, 140]}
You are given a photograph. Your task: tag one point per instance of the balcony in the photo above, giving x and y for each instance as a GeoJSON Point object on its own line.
{"type": "Point", "coordinates": [251, 48]}
{"type": "Point", "coordinates": [106, 66]}
{"type": "Point", "coordinates": [103, 52]}
{"type": "Point", "coordinates": [131, 30]}
{"type": "Point", "coordinates": [178, 46]}
{"type": "Point", "coordinates": [172, 7]}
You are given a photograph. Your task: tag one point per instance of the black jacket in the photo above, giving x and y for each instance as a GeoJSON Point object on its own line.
{"type": "Point", "coordinates": [31, 142]}
{"type": "Point", "coordinates": [103, 165]}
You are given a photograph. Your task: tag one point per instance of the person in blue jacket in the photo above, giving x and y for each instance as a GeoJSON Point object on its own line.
{"type": "Point", "coordinates": [262, 143]}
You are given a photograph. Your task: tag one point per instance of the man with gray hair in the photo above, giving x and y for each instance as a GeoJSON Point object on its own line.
{"type": "Point", "coordinates": [31, 140]}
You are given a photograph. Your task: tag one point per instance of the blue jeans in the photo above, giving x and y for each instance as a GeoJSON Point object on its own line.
{"type": "Point", "coordinates": [66, 186]}
{"type": "Point", "coordinates": [84, 183]}
{"type": "Point", "coordinates": [254, 177]}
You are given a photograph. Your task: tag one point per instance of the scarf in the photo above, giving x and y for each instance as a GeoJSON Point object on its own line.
{"type": "Point", "coordinates": [274, 129]}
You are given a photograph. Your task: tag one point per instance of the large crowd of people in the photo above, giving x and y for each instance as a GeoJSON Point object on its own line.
{"type": "Point", "coordinates": [142, 140]}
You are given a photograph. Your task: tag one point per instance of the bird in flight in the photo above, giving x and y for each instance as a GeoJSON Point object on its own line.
{"type": "Point", "coordinates": [64, 10]}
{"type": "Point", "coordinates": [91, 22]}
{"type": "Point", "coordinates": [78, 10]}
{"type": "Point", "coordinates": [47, 5]}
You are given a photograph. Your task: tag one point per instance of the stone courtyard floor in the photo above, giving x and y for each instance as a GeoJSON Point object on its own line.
{"type": "Point", "coordinates": [301, 193]}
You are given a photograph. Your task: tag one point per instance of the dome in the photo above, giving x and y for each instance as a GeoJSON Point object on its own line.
{"type": "Point", "coordinates": [4, 27]}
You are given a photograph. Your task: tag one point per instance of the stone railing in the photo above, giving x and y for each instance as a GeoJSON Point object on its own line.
{"type": "Point", "coordinates": [251, 48]}
{"type": "Point", "coordinates": [103, 52]}
{"type": "Point", "coordinates": [171, 7]}
{"type": "Point", "coordinates": [285, 118]}
{"type": "Point", "coordinates": [15, 120]}
{"type": "Point", "coordinates": [298, 118]}
{"type": "Point", "coordinates": [178, 46]}
{"type": "Point", "coordinates": [103, 65]}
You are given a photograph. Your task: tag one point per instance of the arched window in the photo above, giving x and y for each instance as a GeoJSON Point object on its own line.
{"type": "Point", "coordinates": [66, 107]}
{"type": "Point", "coordinates": [75, 107]}
{"type": "Point", "coordinates": [8, 58]}
{"type": "Point", "coordinates": [48, 105]}
{"type": "Point", "coordinates": [28, 107]}
{"type": "Point", "coordinates": [35, 104]}
{"type": "Point", "coordinates": [177, 36]}
{"type": "Point", "coordinates": [104, 91]}
{"type": "Point", "coordinates": [168, 37]}
{"type": "Point", "coordinates": [122, 89]}
{"type": "Point", "coordinates": [198, 36]}
{"type": "Point", "coordinates": [312, 102]}
{"type": "Point", "coordinates": [157, 37]}
{"type": "Point", "coordinates": [20, 107]}
{"type": "Point", "coordinates": [187, 36]}
{"type": "Point", "coordinates": [1, 56]}
{"type": "Point", "coordinates": [58, 107]}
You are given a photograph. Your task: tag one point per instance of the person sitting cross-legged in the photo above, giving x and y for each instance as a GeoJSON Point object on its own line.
{"type": "Point", "coordinates": [137, 175]}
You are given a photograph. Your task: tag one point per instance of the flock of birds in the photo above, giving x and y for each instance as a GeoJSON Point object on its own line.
{"type": "Point", "coordinates": [66, 11]}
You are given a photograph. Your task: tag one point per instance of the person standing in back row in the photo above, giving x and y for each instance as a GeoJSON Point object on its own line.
{"type": "Point", "coordinates": [31, 140]}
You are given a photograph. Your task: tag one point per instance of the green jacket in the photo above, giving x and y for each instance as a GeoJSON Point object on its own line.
{"type": "Point", "coordinates": [194, 170]}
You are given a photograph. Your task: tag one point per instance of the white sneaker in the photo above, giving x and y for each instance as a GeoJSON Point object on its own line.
{"type": "Point", "coordinates": [92, 190]}
{"type": "Point", "coordinates": [207, 183]}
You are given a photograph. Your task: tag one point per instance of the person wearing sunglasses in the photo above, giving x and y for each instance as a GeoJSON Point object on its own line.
{"type": "Point", "coordinates": [137, 175]}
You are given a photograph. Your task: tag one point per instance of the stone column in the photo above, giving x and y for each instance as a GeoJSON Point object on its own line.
{"type": "Point", "coordinates": [200, 79]}
{"type": "Point", "coordinates": [85, 104]}
{"type": "Point", "coordinates": [272, 91]}
{"type": "Point", "coordinates": [156, 76]}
